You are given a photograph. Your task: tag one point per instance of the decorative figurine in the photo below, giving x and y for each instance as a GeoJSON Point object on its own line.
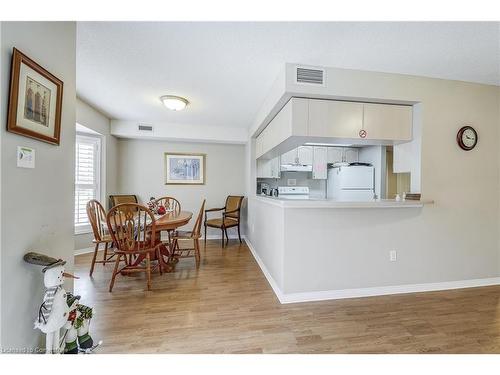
{"type": "Point", "coordinates": [60, 309]}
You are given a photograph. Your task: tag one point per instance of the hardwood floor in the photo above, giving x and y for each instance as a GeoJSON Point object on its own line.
{"type": "Point", "coordinates": [227, 306]}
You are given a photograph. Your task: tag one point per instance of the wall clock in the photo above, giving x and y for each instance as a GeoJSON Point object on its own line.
{"type": "Point", "coordinates": [467, 138]}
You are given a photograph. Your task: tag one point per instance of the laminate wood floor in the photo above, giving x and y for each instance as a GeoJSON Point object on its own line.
{"type": "Point", "coordinates": [227, 306]}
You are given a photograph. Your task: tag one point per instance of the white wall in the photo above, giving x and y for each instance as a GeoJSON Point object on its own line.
{"type": "Point", "coordinates": [89, 117]}
{"type": "Point", "coordinates": [173, 132]}
{"type": "Point", "coordinates": [141, 171]}
{"type": "Point", "coordinates": [454, 239]}
{"type": "Point", "coordinates": [36, 204]}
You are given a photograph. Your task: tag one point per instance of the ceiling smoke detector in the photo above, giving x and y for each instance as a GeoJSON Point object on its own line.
{"type": "Point", "coordinates": [174, 103]}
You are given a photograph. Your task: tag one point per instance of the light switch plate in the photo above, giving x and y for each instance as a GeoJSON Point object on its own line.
{"type": "Point", "coordinates": [25, 157]}
{"type": "Point", "coordinates": [291, 182]}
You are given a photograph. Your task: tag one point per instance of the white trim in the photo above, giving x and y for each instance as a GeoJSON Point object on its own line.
{"type": "Point", "coordinates": [270, 279]}
{"type": "Point", "coordinates": [366, 292]}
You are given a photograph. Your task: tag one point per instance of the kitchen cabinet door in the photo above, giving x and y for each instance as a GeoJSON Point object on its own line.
{"type": "Point", "coordinates": [305, 155]}
{"type": "Point", "coordinates": [335, 154]}
{"type": "Point", "coordinates": [259, 146]}
{"type": "Point", "coordinates": [275, 167]}
{"type": "Point", "coordinates": [351, 155]}
{"type": "Point", "coordinates": [289, 157]}
{"type": "Point", "coordinates": [388, 122]}
{"type": "Point", "coordinates": [330, 118]}
{"type": "Point", "coordinates": [268, 168]}
{"type": "Point", "coordinates": [320, 155]}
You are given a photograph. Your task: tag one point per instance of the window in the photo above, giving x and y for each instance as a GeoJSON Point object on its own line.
{"type": "Point", "coordinates": [87, 177]}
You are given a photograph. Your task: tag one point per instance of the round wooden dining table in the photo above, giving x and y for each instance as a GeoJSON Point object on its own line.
{"type": "Point", "coordinates": [168, 221]}
{"type": "Point", "coordinates": [173, 220]}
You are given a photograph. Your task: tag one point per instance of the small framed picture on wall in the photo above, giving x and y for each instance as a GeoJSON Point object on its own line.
{"type": "Point", "coordinates": [184, 169]}
{"type": "Point", "coordinates": [35, 100]}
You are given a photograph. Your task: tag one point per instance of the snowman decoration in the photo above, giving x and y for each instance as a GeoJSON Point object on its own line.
{"type": "Point", "coordinates": [54, 312]}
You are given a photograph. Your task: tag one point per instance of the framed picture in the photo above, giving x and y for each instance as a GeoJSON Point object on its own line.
{"type": "Point", "coordinates": [35, 100]}
{"type": "Point", "coordinates": [184, 169]}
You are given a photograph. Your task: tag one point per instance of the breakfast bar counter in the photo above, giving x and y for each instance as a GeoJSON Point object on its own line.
{"type": "Point", "coordinates": [328, 203]}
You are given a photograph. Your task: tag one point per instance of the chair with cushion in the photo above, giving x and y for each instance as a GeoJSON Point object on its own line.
{"type": "Point", "coordinates": [133, 229]}
{"type": "Point", "coordinates": [115, 200]}
{"type": "Point", "coordinates": [97, 219]}
{"type": "Point", "coordinates": [230, 217]}
{"type": "Point", "coordinates": [194, 236]}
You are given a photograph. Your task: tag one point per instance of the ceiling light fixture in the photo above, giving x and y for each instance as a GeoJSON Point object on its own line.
{"type": "Point", "coordinates": [174, 103]}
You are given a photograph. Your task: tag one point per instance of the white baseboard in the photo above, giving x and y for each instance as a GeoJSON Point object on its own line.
{"type": "Point", "coordinates": [366, 292]}
{"type": "Point", "coordinates": [270, 279]}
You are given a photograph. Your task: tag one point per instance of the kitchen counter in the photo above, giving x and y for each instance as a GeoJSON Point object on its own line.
{"type": "Point", "coordinates": [328, 203]}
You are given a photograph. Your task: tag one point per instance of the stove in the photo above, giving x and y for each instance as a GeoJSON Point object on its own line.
{"type": "Point", "coordinates": [293, 192]}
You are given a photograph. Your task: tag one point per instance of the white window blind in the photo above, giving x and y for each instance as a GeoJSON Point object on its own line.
{"type": "Point", "coordinates": [87, 177]}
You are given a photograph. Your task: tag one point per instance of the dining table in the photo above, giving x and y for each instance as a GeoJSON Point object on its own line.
{"type": "Point", "coordinates": [167, 222]}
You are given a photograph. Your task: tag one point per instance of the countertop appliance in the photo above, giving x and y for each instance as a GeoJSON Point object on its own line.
{"type": "Point", "coordinates": [351, 183]}
{"type": "Point", "coordinates": [263, 188]}
{"type": "Point", "coordinates": [293, 192]}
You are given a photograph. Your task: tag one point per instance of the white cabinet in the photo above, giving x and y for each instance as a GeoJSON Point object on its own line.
{"type": "Point", "coordinates": [320, 159]}
{"type": "Point", "coordinates": [385, 121]}
{"type": "Point", "coordinates": [305, 155]}
{"type": "Point", "coordinates": [342, 154]}
{"type": "Point", "coordinates": [329, 118]}
{"type": "Point", "coordinates": [290, 121]}
{"type": "Point", "coordinates": [290, 157]}
{"type": "Point", "coordinates": [302, 155]}
{"type": "Point", "coordinates": [268, 168]}
{"type": "Point", "coordinates": [336, 119]}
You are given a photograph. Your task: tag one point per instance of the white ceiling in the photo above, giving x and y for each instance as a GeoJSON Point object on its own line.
{"type": "Point", "coordinates": [226, 69]}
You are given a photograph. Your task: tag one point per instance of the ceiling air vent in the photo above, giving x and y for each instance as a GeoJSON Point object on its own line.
{"type": "Point", "coordinates": [145, 128]}
{"type": "Point", "coordinates": [310, 76]}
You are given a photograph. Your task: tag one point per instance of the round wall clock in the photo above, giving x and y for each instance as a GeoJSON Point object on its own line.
{"type": "Point", "coordinates": [467, 138]}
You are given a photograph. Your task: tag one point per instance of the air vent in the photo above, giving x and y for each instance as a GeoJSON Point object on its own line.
{"type": "Point", "coordinates": [310, 76]}
{"type": "Point", "coordinates": [145, 128]}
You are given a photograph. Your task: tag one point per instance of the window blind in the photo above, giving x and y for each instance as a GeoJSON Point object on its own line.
{"type": "Point", "coordinates": [87, 177]}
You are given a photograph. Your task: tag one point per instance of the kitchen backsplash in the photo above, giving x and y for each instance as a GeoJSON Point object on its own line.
{"type": "Point", "coordinates": [317, 188]}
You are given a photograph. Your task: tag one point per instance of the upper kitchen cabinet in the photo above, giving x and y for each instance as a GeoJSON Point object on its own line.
{"type": "Point", "coordinates": [305, 155]}
{"type": "Point", "coordinates": [320, 158]}
{"type": "Point", "coordinates": [328, 118]}
{"type": "Point", "coordinates": [268, 168]}
{"type": "Point", "coordinates": [290, 121]}
{"type": "Point", "coordinates": [342, 154]}
{"type": "Point", "coordinates": [290, 157]}
{"type": "Point", "coordinates": [387, 122]}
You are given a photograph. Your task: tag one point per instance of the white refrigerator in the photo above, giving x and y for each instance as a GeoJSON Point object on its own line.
{"type": "Point", "coordinates": [351, 183]}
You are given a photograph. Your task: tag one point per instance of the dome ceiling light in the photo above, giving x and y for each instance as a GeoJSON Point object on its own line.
{"type": "Point", "coordinates": [174, 103]}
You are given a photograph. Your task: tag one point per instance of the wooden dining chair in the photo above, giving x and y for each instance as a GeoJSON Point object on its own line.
{"type": "Point", "coordinates": [170, 204]}
{"type": "Point", "coordinates": [133, 229]}
{"type": "Point", "coordinates": [116, 199]}
{"type": "Point", "coordinates": [230, 217]}
{"type": "Point", "coordinates": [97, 219]}
{"type": "Point", "coordinates": [194, 235]}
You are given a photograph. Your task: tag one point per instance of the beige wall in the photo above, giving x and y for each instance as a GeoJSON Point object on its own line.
{"type": "Point", "coordinates": [454, 239]}
{"type": "Point", "coordinates": [89, 117]}
{"type": "Point", "coordinates": [141, 171]}
{"type": "Point", "coordinates": [36, 204]}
